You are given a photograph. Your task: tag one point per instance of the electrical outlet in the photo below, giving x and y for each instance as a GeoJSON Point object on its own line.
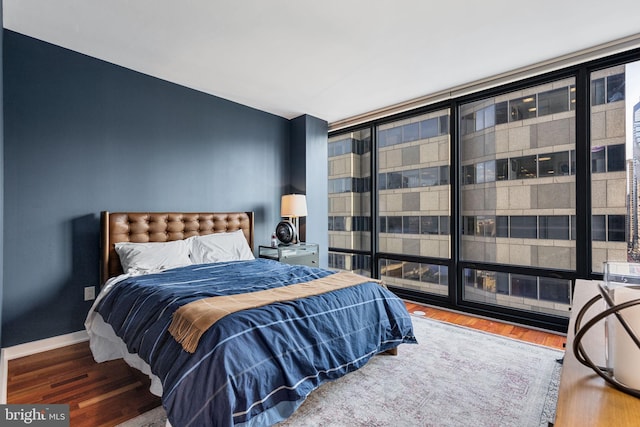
{"type": "Point", "coordinates": [89, 293]}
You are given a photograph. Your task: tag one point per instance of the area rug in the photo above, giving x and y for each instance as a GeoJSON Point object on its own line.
{"type": "Point", "coordinates": [455, 376]}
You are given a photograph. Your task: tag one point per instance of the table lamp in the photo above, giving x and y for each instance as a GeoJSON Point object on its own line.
{"type": "Point", "coordinates": [293, 206]}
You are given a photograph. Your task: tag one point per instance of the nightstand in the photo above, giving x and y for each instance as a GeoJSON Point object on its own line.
{"type": "Point", "coordinates": [301, 254]}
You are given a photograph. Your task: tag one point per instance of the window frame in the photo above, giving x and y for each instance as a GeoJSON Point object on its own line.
{"type": "Point", "coordinates": [580, 225]}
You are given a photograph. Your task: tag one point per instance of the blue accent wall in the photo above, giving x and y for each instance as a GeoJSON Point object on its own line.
{"type": "Point", "coordinates": [1, 174]}
{"type": "Point", "coordinates": [81, 136]}
{"type": "Point", "coordinates": [309, 175]}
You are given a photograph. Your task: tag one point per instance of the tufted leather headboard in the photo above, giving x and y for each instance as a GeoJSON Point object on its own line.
{"type": "Point", "coordinates": [142, 227]}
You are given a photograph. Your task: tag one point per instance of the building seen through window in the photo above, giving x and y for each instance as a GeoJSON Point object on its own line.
{"type": "Point", "coordinates": [516, 176]}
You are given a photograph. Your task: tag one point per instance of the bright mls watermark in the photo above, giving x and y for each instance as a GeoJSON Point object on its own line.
{"type": "Point", "coordinates": [34, 415]}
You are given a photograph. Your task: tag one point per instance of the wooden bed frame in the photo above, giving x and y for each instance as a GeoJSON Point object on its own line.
{"type": "Point", "coordinates": [142, 227]}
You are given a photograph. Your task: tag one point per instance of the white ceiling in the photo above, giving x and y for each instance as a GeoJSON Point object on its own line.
{"type": "Point", "coordinates": [332, 59]}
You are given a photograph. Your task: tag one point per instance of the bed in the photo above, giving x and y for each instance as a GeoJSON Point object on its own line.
{"type": "Point", "coordinates": [227, 339]}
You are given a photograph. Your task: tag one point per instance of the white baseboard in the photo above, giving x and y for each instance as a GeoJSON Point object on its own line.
{"type": "Point", "coordinates": [29, 348]}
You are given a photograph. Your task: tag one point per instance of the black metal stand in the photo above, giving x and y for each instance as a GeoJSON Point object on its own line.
{"type": "Point", "coordinates": [579, 331]}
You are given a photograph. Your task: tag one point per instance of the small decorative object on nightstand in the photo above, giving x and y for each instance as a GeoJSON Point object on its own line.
{"type": "Point", "coordinates": [301, 254]}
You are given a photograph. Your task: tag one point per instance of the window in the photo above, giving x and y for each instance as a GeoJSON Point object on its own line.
{"type": "Point", "coordinates": [429, 128]}
{"type": "Point", "coordinates": [615, 228]}
{"type": "Point", "coordinates": [597, 91]}
{"type": "Point", "coordinates": [429, 225]}
{"type": "Point", "coordinates": [429, 177]}
{"type": "Point", "coordinates": [553, 164]}
{"type": "Point", "coordinates": [615, 158]}
{"type": "Point", "coordinates": [502, 169]}
{"type": "Point", "coordinates": [614, 163]}
{"type": "Point", "coordinates": [514, 238]}
{"type": "Point", "coordinates": [411, 225]}
{"type": "Point", "coordinates": [502, 113]}
{"type": "Point", "coordinates": [467, 124]}
{"type": "Point", "coordinates": [553, 101]}
{"type": "Point", "coordinates": [394, 224]}
{"type": "Point", "coordinates": [394, 180]}
{"type": "Point", "coordinates": [486, 226]}
{"type": "Point", "coordinates": [524, 227]}
{"type": "Point", "coordinates": [424, 277]}
{"type": "Point", "coordinates": [502, 226]}
{"type": "Point", "coordinates": [444, 175]}
{"type": "Point", "coordinates": [610, 88]}
{"type": "Point", "coordinates": [411, 132]}
{"type": "Point", "coordinates": [498, 288]}
{"type": "Point", "coordinates": [598, 228]}
{"type": "Point", "coordinates": [382, 224]}
{"type": "Point", "coordinates": [382, 181]}
{"type": "Point", "coordinates": [444, 226]}
{"type": "Point", "coordinates": [411, 178]}
{"type": "Point", "coordinates": [522, 108]}
{"type": "Point", "coordinates": [555, 290]}
{"type": "Point", "coordinates": [524, 286]}
{"type": "Point", "coordinates": [554, 227]}
{"type": "Point", "coordinates": [349, 156]}
{"type": "Point", "coordinates": [598, 159]}
{"type": "Point", "coordinates": [523, 166]}
{"type": "Point", "coordinates": [469, 225]}
{"type": "Point", "coordinates": [414, 200]}
{"type": "Point", "coordinates": [358, 263]}
{"type": "Point", "coordinates": [616, 88]}
{"type": "Point", "coordinates": [388, 137]}
{"type": "Point", "coordinates": [469, 174]}
{"type": "Point", "coordinates": [485, 172]}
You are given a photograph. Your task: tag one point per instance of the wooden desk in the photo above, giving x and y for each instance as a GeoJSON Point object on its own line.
{"type": "Point", "coordinates": [585, 399]}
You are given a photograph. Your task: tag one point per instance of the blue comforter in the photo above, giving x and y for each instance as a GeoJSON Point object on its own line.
{"type": "Point", "coordinates": [253, 367]}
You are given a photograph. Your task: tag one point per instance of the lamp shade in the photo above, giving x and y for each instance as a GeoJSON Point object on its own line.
{"type": "Point", "coordinates": [293, 205]}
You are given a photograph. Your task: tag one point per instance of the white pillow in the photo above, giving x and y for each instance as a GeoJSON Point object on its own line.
{"type": "Point", "coordinates": [219, 247]}
{"type": "Point", "coordinates": [152, 256]}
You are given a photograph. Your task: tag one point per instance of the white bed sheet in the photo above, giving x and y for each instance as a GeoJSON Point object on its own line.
{"type": "Point", "coordinates": [106, 345]}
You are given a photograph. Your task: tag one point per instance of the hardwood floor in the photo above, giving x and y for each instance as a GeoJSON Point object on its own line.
{"type": "Point", "coordinates": [535, 336]}
{"type": "Point", "coordinates": [105, 394]}
{"type": "Point", "coordinates": [98, 394]}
